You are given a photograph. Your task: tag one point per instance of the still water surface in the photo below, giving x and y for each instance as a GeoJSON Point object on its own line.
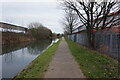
{"type": "Point", "coordinates": [16, 57]}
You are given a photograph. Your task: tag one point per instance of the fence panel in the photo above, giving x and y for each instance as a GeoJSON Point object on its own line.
{"type": "Point", "coordinates": [105, 42]}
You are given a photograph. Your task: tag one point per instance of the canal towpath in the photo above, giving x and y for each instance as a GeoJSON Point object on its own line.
{"type": "Point", "coordinates": [63, 64]}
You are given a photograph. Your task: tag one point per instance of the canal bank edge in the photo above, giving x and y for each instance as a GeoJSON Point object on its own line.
{"type": "Point", "coordinates": [39, 65]}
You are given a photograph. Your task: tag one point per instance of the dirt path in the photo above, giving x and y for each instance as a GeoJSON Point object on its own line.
{"type": "Point", "coordinates": [63, 64]}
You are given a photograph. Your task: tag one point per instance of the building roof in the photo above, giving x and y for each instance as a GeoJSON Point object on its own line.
{"type": "Point", "coordinates": [111, 14]}
{"type": "Point", "coordinates": [107, 30]}
{"type": "Point", "coordinates": [4, 23]}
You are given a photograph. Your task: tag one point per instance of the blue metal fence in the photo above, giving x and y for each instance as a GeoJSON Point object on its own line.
{"type": "Point", "coordinates": [105, 42]}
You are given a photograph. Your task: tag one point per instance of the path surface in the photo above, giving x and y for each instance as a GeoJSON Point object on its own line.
{"type": "Point", "coordinates": [63, 64]}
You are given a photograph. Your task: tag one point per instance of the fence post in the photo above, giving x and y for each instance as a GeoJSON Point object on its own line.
{"type": "Point", "coordinates": [110, 44]}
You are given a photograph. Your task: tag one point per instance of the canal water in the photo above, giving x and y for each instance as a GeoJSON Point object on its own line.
{"type": "Point", "coordinates": [16, 57]}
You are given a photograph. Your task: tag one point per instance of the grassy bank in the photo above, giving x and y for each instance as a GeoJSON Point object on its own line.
{"type": "Point", "coordinates": [93, 64]}
{"type": "Point", "coordinates": [12, 37]}
{"type": "Point", "coordinates": [38, 66]}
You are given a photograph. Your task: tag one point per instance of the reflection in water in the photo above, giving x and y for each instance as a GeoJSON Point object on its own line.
{"type": "Point", "coordinates": [13, 47]}
{"type": "Point", "coordinates": [38, 46]}
{"type": "Point", "coordinates": [17, 57]}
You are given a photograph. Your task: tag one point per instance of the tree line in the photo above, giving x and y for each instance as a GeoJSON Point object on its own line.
{"type": "Point", "coordinates": [39, 31]}
{"type": "Point", "coordinates": [35, 30]}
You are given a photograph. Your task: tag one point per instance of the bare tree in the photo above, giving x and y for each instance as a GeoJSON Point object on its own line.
{"type": "Point", "coordinates": [35, 25]}
{"type": "Point", "coordinates": [89, 13]}
{"type": "Point", "coordinates": [38, 31]}
{"type": "Point", "coordinates": [70, 21]}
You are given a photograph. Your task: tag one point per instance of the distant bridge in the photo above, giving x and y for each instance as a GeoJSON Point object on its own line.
{"type": "Point", "coordinates": [7, 27]}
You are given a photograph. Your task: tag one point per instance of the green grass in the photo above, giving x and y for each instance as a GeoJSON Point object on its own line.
{"type": "Point", "coordinates": [38, 66]}
{"type": "Point", "coordinates": [92, 63]}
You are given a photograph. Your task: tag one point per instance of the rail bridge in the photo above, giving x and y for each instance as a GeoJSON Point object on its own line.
{"type": "Point", "coordinates": [7, 27]}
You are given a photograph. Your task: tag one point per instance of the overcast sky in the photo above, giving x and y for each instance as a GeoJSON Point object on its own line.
{"type": "Point", "coordinates": [23, 12]}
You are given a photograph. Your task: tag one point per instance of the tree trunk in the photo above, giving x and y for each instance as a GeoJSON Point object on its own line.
{"type": "Point", "coordinates": [91, 39]}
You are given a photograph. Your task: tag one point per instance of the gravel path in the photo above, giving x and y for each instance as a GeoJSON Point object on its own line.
{"type": "Point", "coordinates": [63, 64]}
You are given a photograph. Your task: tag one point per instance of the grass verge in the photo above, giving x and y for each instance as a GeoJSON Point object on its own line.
{"type": "Point", "coordinates": [93, 64]}
{"type": "Point", "coordinates": [38, 66]}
